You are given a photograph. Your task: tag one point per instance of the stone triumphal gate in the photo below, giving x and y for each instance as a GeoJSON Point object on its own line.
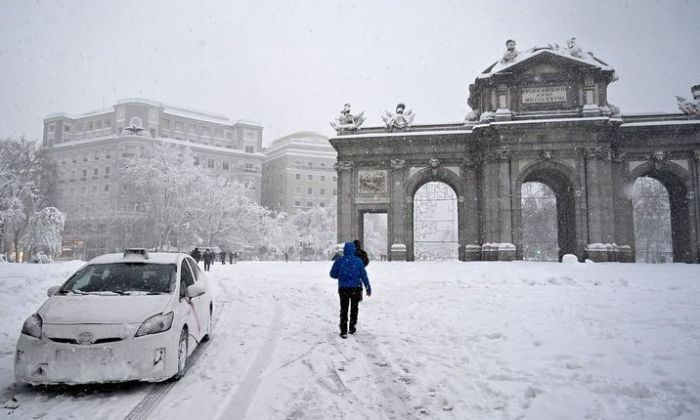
{"type": "Point", "coordinates": [540, 115]}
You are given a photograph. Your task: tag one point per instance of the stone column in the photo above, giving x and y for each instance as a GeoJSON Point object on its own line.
{"type": "Point", "coordinates": [397, 218]}
{"type": "Point", "coordinates": [470, 218]}
{"type": "Point", "coordinates": [498, 228]}
{"type": "Point", "coordinates": [346, 199]}
{"type": "Point", "coordinates": [694, 203]}
{"type": "Point", "coordinates": [600, 203]}
{"type": "Point", "coordinates": [622, 205]}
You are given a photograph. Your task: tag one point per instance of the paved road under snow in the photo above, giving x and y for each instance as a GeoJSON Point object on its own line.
{"type": "Point", "coordinates": [436, 340]}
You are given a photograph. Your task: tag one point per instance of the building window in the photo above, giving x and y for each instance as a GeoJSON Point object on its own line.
{"type": "Point", "coordinates": [192, 128]}
{"type": "Point", "coordinates": [96, 172]}
{"type": "Point", "coordinates": [107, 169]}
{"type": "Point", "coordinates": [323, 177]}
{"type": "Point", "coordinates": [310, 190]}
{"type": "Point", "coordinates": [323, 191]}
{"type": "Point", "coordinates": [298, 176]}
{"type": "Point", "coordinates": [224, 165]}
{"type": "Point", "coordinates": [90, 126]}
{"type": "Point", "coordinates": [323, 164]}
{"type": "Point", "coordinates": [108, 123]}
{"type": "Point", "coordinates": [210, 163]}
{"type": "Point", "coordinates": [311, 164]}
{"type": "Point", "coordinates": [298, 162]}
{"type": "Point", "coordinates": [84, 174]}
{"type": "Point", "coordinates": [178, 125]}
{"type": "Point", "coordinates": [66, 128]}
{"type": "Point", "coordinates": [310, 177]}
{"type": "Point", "coordinates": [94, 188]}
{"type": "Point", "coordinates": [310, 204]}
{"type": "Point", "coordinates": [297, 203]}
{"type": "Point", "coordinates": [322, 204]}
{"type": "Point", "coordinates": [106, 188]}
{"type": "Point", "coordinates": [166, 123]}
{"type": "Point", "coordinates": [219, 132]}
{"type": "Point", "coordinates": [249, 149]}
{"type": "Point", "coordinates": [196, 161]}
{"type": "Point", "coordinates": [52, 128]}
{"type": "Point", "coordinates": [298, 189]}
{"type": "Point", "coordinates": [98, 125]}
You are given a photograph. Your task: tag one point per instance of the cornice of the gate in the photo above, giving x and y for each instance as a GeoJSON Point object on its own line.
{"type": "Point", "coordinates": [536, 124]}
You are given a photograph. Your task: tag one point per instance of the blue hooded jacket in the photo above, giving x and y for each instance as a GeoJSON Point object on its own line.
{"type": "Point", "coordinates": [349, 270]}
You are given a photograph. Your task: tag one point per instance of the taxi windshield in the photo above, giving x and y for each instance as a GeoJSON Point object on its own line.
{"type": "Point", "coordinates": [122, 278]}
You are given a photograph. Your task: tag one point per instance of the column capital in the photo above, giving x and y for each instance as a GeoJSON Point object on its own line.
{"type": "Point", "coordinates": [497, 155]}
{"type": "Point", "coordinates": [343, 165]}
{"type": "Point", "coordinates": [597, 153]}
{"type": "Point", "coordinates": [398, 163]}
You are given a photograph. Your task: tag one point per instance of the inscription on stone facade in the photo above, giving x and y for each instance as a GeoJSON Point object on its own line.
{"type": "Point", "coordinates": [372, 181]}
{"type": "Point", "coordinates": [544, 95]}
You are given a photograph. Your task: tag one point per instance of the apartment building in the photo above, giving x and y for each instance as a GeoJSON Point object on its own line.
{"type": "Point", "coordinates": [299, 173]}
{"type": "Point", "coordinates": [87, 148]}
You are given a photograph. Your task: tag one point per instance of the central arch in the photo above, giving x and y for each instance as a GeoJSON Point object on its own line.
{"type": "Point", "coordinates": [561, 180]}
{"type": "Point", "coordinates": [412, 185]}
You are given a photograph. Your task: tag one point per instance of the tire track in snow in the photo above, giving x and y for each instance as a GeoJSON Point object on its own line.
{"type": "Point", "coordinates": [158, 391]}
{"type": "Point", "coordinates": [238, 403]}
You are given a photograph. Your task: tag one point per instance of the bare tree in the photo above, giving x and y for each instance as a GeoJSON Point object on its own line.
{"type": "Point", "coordinates": [652, 221]}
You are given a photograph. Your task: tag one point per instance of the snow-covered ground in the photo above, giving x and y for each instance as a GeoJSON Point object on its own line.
{"type": "Point", "coordinates": [436, 340]}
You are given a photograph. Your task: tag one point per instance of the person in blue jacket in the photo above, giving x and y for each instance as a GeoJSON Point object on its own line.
{"type": "Point", "coordinates": [351, 275]}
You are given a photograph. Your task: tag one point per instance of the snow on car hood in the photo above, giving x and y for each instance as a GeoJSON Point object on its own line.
{"type": "Point", "coordinates": [101, 309]}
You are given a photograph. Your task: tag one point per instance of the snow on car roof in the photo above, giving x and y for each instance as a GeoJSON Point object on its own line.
{"type": "Point", "coordinates": [153, 257]}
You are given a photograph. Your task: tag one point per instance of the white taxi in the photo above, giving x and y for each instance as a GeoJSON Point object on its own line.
{"type": "Point", "coordinates": [121, 317]}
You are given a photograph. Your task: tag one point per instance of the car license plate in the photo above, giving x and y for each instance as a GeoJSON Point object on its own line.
{"type": "Point", "coordinates": [84, 356]}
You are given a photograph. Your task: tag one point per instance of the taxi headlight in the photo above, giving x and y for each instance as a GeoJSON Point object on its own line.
{"type": "Point", "coordinates": [156, 324]}
{"type": "Point", "coordinates": [32, 326]}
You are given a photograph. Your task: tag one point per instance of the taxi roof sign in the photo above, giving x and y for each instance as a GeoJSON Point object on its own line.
{"type": "Point", "coordinates": [136, 252]}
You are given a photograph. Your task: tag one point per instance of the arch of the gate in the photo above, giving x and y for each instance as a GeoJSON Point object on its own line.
{"type": "Point", "coordinates": [421, 178]}
{"type": "Point", "coordinates": [570, 223]}
{"type": "Point", "coordinates": [677, 181]}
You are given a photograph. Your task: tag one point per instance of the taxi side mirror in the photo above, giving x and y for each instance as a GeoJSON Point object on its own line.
{"type": "Point", "coordinates": [52, 290]}
{"type": "Point", "coordinates": [195, 290]}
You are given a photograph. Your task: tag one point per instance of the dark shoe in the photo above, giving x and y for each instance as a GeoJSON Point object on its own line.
{"type": "Point", "coordinates": [343, 335]}
{"type": "Point", "coordinates": [352, 330]}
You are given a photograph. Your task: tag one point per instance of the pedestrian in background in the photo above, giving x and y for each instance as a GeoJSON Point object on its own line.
{"type": "Point", "coordinates": [360, 253]}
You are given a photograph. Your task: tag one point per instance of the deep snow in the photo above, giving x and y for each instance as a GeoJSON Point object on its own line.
{"type": "Point", "coordinates": [435, 340]}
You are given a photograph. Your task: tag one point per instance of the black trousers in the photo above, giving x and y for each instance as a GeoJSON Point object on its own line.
{"type": "Point", "coordinates": [349, 296]}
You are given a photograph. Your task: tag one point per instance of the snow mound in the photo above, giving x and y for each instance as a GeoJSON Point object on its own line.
{"type": "Point", "coordinates": [569, 259]}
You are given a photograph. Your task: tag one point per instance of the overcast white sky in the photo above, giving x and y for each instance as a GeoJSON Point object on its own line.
{"type": "Point", "coordinates": [292, 65]}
